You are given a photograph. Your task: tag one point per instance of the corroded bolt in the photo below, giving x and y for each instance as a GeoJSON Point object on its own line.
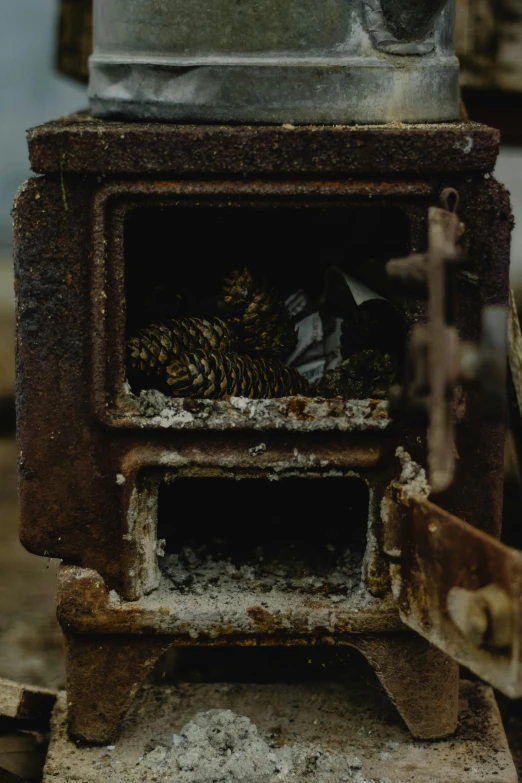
{"type": "Point", "coordinates": [484, 617]}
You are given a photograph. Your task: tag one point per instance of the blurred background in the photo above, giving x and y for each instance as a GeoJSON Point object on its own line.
{"type": "Point", "coordinates": [43, 73]}
{"type": "Point", "coordinates": [31, 92]}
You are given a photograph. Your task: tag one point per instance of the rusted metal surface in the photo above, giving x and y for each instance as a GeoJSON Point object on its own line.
{"type": "Point", "coordinates": [68, 463]}
{"type": "Point", "coordinates": [421, 681]}
{"type": "Point", "coordinates": [104, 674]}
{"type": "Point", "coordinates": [461, 590]}
{"type": "Point", "coordinates": [434, 346]}
{"type": "Point", "coordinates": [79, 144]}
{"type": "Point", "coordinates": [86, 606]}
{"type": "Point", "coordinates": [439, 361]}
{"type": "Point", "coordinates": [114, 205]}
{"type": "Point", "coordinates": [87, 444]}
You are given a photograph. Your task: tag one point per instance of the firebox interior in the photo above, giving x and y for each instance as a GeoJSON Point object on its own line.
{"type": "Point", "coordinates": [174, 269]}
{"type": "Point", "coordinates": [290, 246]}
{"type": "Point", "coordinates": [291, 534]}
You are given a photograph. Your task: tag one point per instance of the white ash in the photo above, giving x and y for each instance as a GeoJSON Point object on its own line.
{"type": "Point", "coordinates": [220, 746]}
{"type": "Point", "coordinates": [152, 409]}
{"type": "Point", "coordinates": [197, 571]}
{"type": "Point", "coordinates": [413, 477]}
{"type": "Point", "coordinates": [205, 595]}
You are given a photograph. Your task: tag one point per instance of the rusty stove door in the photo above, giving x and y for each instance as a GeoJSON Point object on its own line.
{"type": "Point", "coordinates": [458, 588]}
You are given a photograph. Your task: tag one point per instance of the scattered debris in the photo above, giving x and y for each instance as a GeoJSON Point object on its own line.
{"type": "Point", "coordinates": [220, 746]}
{"type": "Point", "coordinates": [413, 477]}
{"type": "Point", "coordinates": [261, 449]}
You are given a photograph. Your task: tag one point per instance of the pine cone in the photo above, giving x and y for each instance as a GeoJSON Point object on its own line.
{"type": "Point", "coordinates": [214, 374]}
{"type": "Point", "coordinates": [159, 344]}
{"type": "Point", "coordinates": [258, 316]}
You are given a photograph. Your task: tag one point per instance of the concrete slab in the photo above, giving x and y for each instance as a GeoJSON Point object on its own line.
{"type": "Point", "coordinates": [313, 732]}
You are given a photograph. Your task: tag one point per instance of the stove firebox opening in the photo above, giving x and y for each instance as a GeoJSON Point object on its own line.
{"type": "Point", "coordinates": [271, 300]}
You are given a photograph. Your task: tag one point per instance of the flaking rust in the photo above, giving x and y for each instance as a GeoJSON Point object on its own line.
{"type": "Point", "coordinates": [153, 410]}
{"type": "Point", "coordinates": [82, 426]}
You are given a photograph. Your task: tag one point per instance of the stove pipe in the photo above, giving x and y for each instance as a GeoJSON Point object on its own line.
{"type": "Point", "coordinates": [275, 61]}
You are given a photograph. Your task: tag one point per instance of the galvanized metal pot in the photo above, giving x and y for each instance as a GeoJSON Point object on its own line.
{"type": "Point", "coordinates": [275, 61]}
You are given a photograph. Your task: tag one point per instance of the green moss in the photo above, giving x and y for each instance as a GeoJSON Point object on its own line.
{"type": "Point", "coordinates": [367, 374]}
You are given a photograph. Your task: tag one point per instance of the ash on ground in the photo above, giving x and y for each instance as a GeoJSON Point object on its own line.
{"type": "Point", "coordinates": [279, 732]}
{"type": "Point", "coordinates": [220, 746]}
{"type": "Point", "coordinates": [292, 568]}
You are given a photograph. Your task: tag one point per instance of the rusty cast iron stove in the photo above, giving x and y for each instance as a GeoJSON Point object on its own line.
{"type": "Point", "coordinates": [158, 505]}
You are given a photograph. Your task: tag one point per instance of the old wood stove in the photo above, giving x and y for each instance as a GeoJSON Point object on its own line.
{"type": "Point", "coordinates": [106, 473]}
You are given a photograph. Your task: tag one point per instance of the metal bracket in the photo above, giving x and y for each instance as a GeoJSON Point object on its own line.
{"type": "Point", "coordinates": [439, 362]}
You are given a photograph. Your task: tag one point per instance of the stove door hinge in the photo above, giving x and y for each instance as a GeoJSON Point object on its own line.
{"type": "Point", "coordinates": [456, 586]}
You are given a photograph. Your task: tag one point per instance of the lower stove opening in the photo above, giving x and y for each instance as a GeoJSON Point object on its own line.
{"type": "Point", "coordinates": [271, 664]}
{"type": "Point", "coordinates": [294, 534]}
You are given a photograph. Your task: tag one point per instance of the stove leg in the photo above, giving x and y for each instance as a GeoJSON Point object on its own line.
{"type": "Point", "coordinates": [104, 673]}
{"type": "Point", "coordinates": [421, 681]}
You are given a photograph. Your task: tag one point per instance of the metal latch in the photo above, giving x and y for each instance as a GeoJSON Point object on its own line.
{"type": "Point", "coordinates": [438, 361]}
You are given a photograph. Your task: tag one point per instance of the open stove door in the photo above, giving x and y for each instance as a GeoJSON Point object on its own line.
{"type": "Point", "coordinates": [459, 588]}
{"type": "Point", "coordinates": [456, 586]}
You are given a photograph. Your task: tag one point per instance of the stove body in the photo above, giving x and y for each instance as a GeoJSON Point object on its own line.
{"type": "Point", "coordinates": [105, 472]}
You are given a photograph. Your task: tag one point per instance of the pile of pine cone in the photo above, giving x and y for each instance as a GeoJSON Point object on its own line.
{"type": "Point", "coordinates": [241, 355]}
